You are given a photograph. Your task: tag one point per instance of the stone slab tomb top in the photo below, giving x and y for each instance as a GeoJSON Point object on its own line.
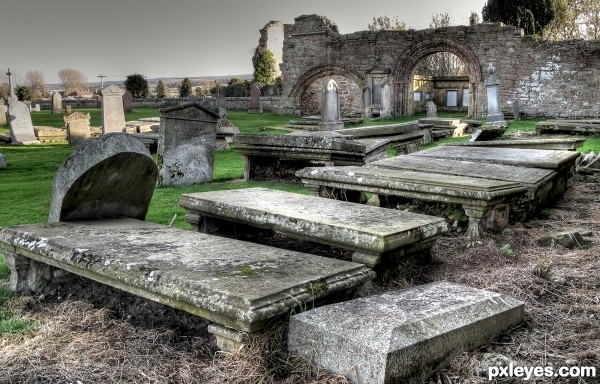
{"type": "Point", "coordinates": [237, 284]}
{"type": "Point", "coordinates": [536, 158]}
{"type": "Point", "coordinates": [402, 336]}
{"type": "Point", "coordinates": [112, 176]}
{"type": "Point", "coordinates": [301, 141]}
{"type": "Point", "coordinates": [340, 223]}
{"type": "Point", "coordinates": [511, 173]}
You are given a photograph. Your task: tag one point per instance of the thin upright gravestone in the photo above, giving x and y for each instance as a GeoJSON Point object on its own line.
{"type": "Point", "coordinates": [431, 109]}
{"type": "Point", "coordinates": [386, 102]}
{"type": "Point", "coordinates": [492, 85]}
{"type": "Point", "coordinates": [366, 99]}
{"type": "Point", "coordinates": [127, 102]}
{"type": "Point", "coordinates": [495, 124]}
{"type": "Point", "coordinates": [113, 176]}
{"type": "Point", "coordinates": [330, 108]}
{"type": "Point", "coordinates": [2, 111]}
{"type": "Point", "coordinates": [113, 116]}
{"type": "Point", "coordinates": [56, 103]}
{"type": "Point", "coordinates": [255, 103]}
{"type": "Point", "coordinates": [19, 121]}
{"type": "Point", "coordinates": [186, 144]}
{"type": "Point", "coordinates": [78, 127]}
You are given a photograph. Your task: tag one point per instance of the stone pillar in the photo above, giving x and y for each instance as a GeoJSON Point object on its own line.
{"type": "Point", "coordinates": [330, 108]}
{"type": "Point", "coordinates": [492, 85]}
{"type": "Point", "coordinates": [113, 116]}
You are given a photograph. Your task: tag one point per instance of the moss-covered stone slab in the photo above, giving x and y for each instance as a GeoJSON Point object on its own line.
{"type": "Point", "coordinates": [565, 144]}
{"type": "Point", "coordinates": [402, 336]}
{"type": "Point", "coordinates": [383, 233]}
{"type": "Point", "coordinates": [477, 196]}
{"type": "Point", "coordinates": [591, 126]}
{"type": "Point", "coordinates": [535, 158]}
{"type": "Point", "coordinates": [381, 130]}
{"type": "Point", "coordinates": [236, 284]}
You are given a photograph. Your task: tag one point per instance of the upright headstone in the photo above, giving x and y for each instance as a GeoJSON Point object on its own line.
{"type": "Point", "coordinates": [492, 85]}
{"type": "Point", "coordinates": [186, 144]}
{"type": "Point", "coordinates": [330, 108]}
{"type": "Point", "coordinates": [37, 108]}
{"type": "Point", "coordinates": [3, 111]}
{"type": "Point", "coordinates": [386, 102]}
{"type": "Point", "coordinates": [19, 122]}
{"type": "Point", "coordinates": [78, 128]}
{"type": "Point", "coordinates": [255, 103]}
{"type": "Point", "coordinates": [3, 164]}
{"type": "Point", "coordinates": [366, 100]}
{"type": "Point", "coordinates": [222, 107]}
{"type": "Point", "coordinates": [68, 109]}
{"type": "Point", "coordinates": [127, 102]}
{"type": "Point", "coordinates": [113, 116]}
{"type": "Point", "coordinates": [56, 103]}
{"type": "Point", "coordinates": [431, 109]}
{"type": "Point", "coordinates": [112, 176]}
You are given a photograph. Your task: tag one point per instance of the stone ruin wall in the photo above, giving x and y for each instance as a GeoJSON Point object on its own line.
{"type": "Point", "coordinates": [551, 79]}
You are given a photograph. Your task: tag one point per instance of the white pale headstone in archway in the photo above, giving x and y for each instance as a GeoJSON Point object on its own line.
{"type": "Point", "coordinates": [330, 109]}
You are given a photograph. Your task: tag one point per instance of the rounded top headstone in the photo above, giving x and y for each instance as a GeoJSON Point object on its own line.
{"type": "Point", "coordinates": [112, 176]}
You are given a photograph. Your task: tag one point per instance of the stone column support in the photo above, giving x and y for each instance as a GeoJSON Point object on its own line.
{"type": "Point", "coordinates": [19, 271]}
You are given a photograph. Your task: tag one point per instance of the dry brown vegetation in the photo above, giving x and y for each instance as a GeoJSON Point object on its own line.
{"type": "Point", "coordinates": [81, 336]}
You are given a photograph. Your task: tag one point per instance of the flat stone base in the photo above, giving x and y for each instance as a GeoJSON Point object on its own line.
{"type": "Point", "coordinates": [331, 126]}
{"type": "Point", "coordinates": [402, 336]}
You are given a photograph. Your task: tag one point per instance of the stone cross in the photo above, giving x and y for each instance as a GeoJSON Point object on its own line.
{"type": "Point", "coordinates": [330, 107]}
{"type": "Point", "coordinates": [113, 115]}
{"type": "Point", "coordinates": [492, 85]}
{"type": "Point", "coordinates": [11, 92]}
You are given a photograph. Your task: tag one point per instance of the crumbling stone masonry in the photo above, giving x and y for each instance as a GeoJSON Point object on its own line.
{"type": "Point", "coordinates": [553, 79]}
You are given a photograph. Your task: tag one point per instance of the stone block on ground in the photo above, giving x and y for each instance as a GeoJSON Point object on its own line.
{"type": "Point", "coordinates": [402, 336]}
{"type": "Point", "coordinates": [112, 176]}
{"type": "Point", "coordinates": [488, 132]}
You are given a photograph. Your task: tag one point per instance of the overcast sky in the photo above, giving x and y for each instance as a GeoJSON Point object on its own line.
{"type": "Point", "coordinates": [175, 38]}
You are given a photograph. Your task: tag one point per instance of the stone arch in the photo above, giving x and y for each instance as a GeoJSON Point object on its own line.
{"type": "Point", "coordinates": [408, 59]}
{"type": "Point", "coordinates": [315, 73]}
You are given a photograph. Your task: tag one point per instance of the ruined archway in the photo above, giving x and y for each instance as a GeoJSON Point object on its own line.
{"type": "Point", "coordinates": [408, 59]}
{"type": "Point", "coordinates": [306, 93]}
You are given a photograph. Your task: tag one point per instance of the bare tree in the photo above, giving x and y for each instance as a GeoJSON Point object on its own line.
{"type": "Point", "coordinates": [36, 82]}
{"type": "Point", "coordinates": [574, 19]}
{"type": "Point", "coordinates": [72, 80]}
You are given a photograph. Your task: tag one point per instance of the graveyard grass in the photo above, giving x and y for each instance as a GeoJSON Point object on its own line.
{"type": "Point", "coordinates": [73, 334]}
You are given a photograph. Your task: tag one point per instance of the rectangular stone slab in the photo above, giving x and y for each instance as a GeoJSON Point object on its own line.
{"type": "Point", "coordinates": [569, 144]}
{"type": "Point", "coordinates": [420, 185]}
{"type": "Point", "coordinates": [521, 175]}
{"type": "Point", "coordinates": [339, 223]}
{"type": "Point", "coordinates": [401, 336]}
{"type": "Point", "coordinates": [298, 141]}
{"type": "Point", "coordinates": [535, 158]}
{"type": "Point", "coordinates": [237, 284]}
{"type": "Point", "coordinates": [380, 130]}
